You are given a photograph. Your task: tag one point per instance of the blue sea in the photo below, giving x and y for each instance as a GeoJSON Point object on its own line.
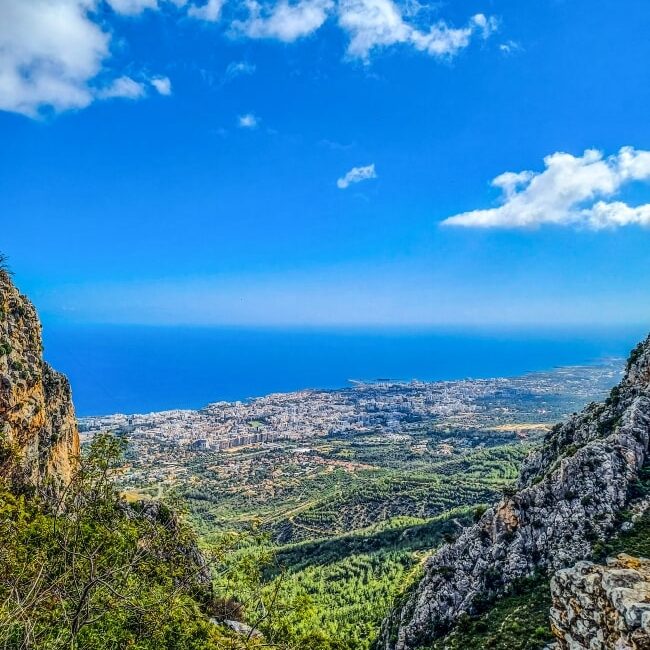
{"type": "Point", "coordinates": [133, 369]}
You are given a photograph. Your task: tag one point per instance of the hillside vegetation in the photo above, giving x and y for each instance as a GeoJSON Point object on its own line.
{"type": "Point", "coordinates": [334, 588]}
{"type": "Point", "coordinates": [86, 572]}
{"type": "Point", "coordinates": [272, 546]}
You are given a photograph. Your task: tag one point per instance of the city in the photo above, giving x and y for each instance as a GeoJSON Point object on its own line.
{"type": "Point", "coordinates": [430, 421]}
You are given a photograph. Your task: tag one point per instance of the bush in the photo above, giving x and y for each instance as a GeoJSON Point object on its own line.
{"type": "Point", "coordinates": [4, 266]}
{"type": "Point", "coordinates": [518, 621]}
{"type": "Point", "coordinates": [89, 572]}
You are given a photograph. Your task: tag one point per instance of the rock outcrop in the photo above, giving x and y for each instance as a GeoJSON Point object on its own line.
{"type": "Point", "coordinates": [196, 570]}
{"type": "Point", "coordinates": [39, 441]}
{"type": "Point", "coordinates": [567, 499]}
{"type": "Point", "coordinates": [602, 607]}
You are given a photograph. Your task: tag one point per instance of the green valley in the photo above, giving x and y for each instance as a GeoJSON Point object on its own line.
{"type": "Point", "coordinates": [336, 525]}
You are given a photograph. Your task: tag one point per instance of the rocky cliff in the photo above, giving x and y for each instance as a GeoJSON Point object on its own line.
{"type": "Point", "coordinates": [568, 498]}
{"type": "Point", "coordinates": [39, 441]}
{"type": "Point", "coordinates": [599, 607]}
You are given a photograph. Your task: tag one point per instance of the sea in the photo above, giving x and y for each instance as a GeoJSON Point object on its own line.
{"type": "Point", "coordinates": [140, 369]}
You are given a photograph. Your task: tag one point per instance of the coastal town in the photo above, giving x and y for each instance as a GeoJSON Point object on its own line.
{"type": "Point", "coordinates": [441, 419]}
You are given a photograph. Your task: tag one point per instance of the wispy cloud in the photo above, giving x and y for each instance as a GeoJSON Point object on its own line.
{"type": "Point", "coordinates": [162, 84]}
{"type": "Point", "coordinates": [356, 175]}
{"type": "Point", "coordinates": [374, 24]}
{"type": "Point", "coordinates": [130, 7]}
{"type": "Point", "coordinates": [238, 69]}
{"type": "Point", "coordinates": [209, 11]}
{"type": "Point", "coordinates": [283, 21]}
{"type": "Point", "coordinates": [248, 121]}
{"type": "Point", "coordinates": [123, 87]}
{"type": "Point", "coordinates": [335, 146]}
{"type": "Point", "coordinates": [128, 88]}
{"type": "Point", "coordinates": [571, 191]}
{"type": "Point", "coordinates": [370, 24]}
{"type": "Point", "coordinates": [509, 47]}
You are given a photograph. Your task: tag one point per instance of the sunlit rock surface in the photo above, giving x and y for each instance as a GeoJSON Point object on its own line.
{"type": "Point", "coordinates": [602, 607]}
{"type": "Point", "coordinates": [39, 442]}
{"type": "Point", "coordinates": [568, 498]}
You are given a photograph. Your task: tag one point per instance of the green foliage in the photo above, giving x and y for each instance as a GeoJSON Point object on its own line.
{"type": "Point", "coordinates": [16, 365]}
{"type": "Point", "coordinates": [331, 594]}
{"type": "Point", "coordinates": [518, 621]}
{"type": "Point", "coordinates": [614, 397]}
{"type": "Point", "coordinates": [89, 572]}
{"type": "Point", "coordinates": [4, 265]}
{"type": "Point", "coordinates": [635, 355]}
{"type": "Point", "coordinates": [8, 449]}
{"type": "Point", "coordinates": [635, 541]}
{"type": "Point", "coordinates": [399, 534]}
{"type": "Point", "coordinates": [329, 504]}
{"type": "Point", "coordinates": [641, 486]}
{"type": "Point", "coordinates": [479, 511]}
{"type": "Point", "coordinates": [324, 606]}
{"type": "Point", "coordinates": [332, 587]}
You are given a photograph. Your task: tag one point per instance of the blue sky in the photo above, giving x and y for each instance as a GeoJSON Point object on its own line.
{"type": "Point", "coordinates": [327, 162]}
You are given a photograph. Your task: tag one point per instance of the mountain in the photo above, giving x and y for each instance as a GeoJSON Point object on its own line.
{"type": "Point", "coordinates": [568, 501]}
{"type": "Point", "coordinates": [79, 566]}
{"type": "Point", "coordinates": [39, 441]}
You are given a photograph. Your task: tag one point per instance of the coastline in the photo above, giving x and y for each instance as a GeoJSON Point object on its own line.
{"type": "Point", "coordinates": [140, 370]}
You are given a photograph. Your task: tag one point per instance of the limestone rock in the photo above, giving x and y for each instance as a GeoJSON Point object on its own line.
{"type": "Point", "coordinates": [567, 499]}
{"type": "Point", "coordinates": [602, 607]}
{"type": "Point", "coordinates": [242, 629]}
{"type": "Point", "coordinates": [39, 441]}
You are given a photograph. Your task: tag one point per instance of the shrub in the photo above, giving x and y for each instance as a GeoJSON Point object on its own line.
{"type": "Point", "coordinates": [86, 568]}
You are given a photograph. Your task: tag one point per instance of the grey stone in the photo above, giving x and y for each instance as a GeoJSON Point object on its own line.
{"type": "Point", "coordinates": [612, 615]}
{"type": "Point", "coordinates": [568, 497]}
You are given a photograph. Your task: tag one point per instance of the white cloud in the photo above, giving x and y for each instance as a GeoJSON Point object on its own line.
{"type": "Point", "coordinates": [52, 53]}
{"type": "Point", "coordinates": [356, 175]}
{"type": "Point", "coordinates": [284, 21]}
{"type": "Point", "coordinates": [124, 87]}
{"type": "Point", "coordinates": [369, 23]}
{"type": "Point", "coordinates": [49, 51]}
{"type": "Point", "coordinates": [509, 47]}
{"type": "Point", "coordinates": [238, 69]}
{"type": "Point", "coordinates": [127, 88]}
{"type": "Point", "coordinates": [162, 84]}
{"type": "Point", "coordinates": [571, 191]}
{"type": "Point", "coordinates": [210, 10]}
{"type": "Point", "coordinates": [131, 7]}
{"type": "Point", "coordinates": [379, 23]}
{"type": "Point", "coordinates": [248, 121]}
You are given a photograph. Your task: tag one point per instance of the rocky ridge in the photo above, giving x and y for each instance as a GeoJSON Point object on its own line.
{"type": "Point", "coordinates": [39, 441]}
{"type": "Point", "coordinates": [599, 607]}
{"type": "Point", "coordinates": [568, 499]}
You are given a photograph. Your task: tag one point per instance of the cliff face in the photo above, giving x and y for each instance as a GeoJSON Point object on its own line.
{"type": "Point", "coordinates": [39, 441]}
{"type": "Point", "coordinates": [567, 499]}
{"type": "Point", "coordinates": [599, 607]}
